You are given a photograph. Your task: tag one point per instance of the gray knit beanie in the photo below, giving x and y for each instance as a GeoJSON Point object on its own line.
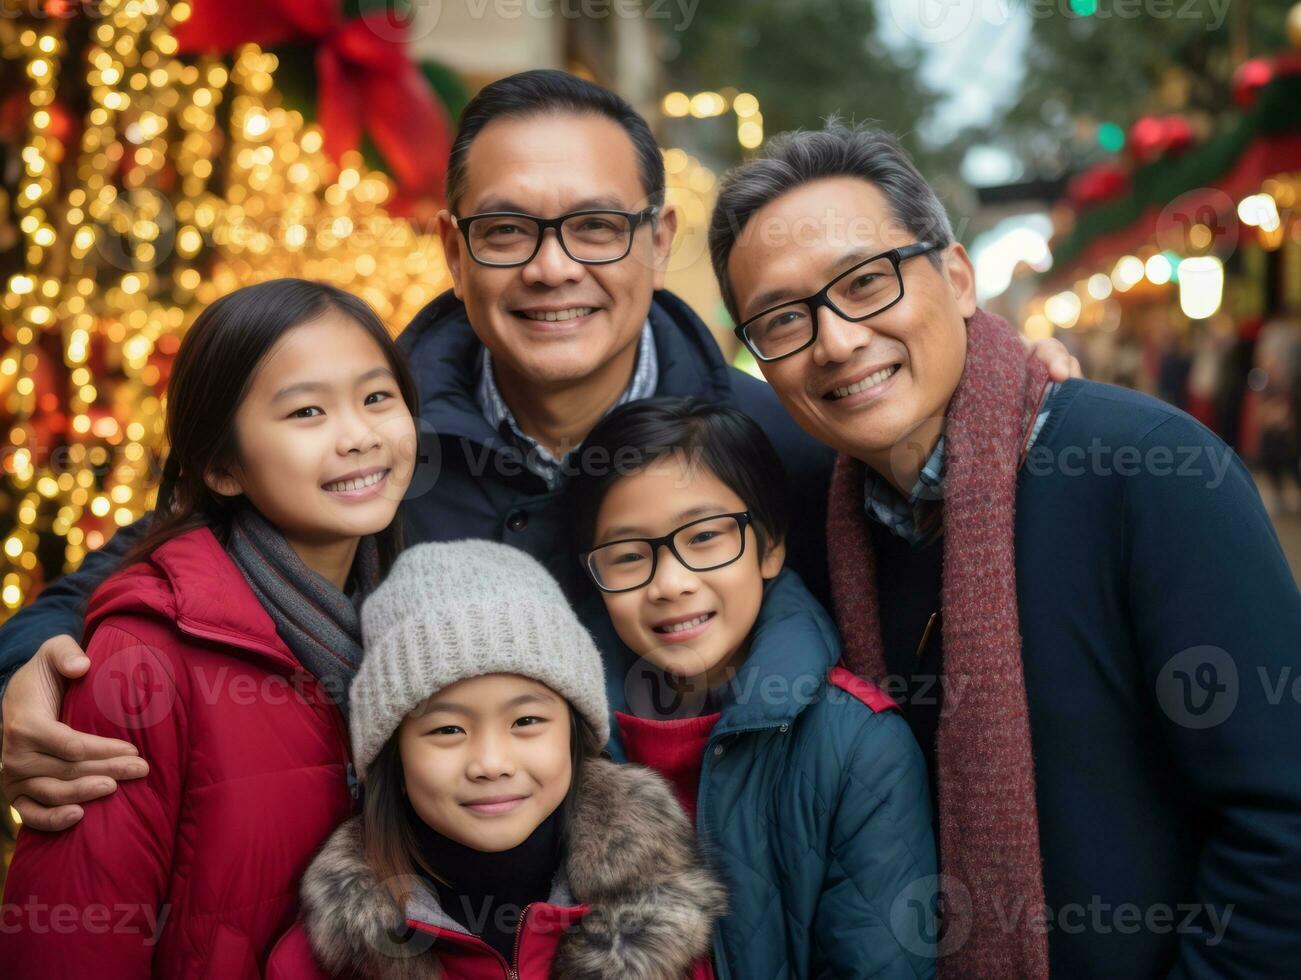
{"type": "Point", "coordinates": [463, 609]}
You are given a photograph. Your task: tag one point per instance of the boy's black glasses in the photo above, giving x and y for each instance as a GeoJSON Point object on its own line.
{"type": "Point", "coordinates": [701, 545]}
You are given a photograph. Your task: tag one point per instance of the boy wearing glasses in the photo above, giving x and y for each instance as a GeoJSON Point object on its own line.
{"type": "Point", "coordinates": [807, 788]}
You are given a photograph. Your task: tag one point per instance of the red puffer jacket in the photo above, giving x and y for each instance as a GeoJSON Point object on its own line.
{"type": "Point", "coordinates": [193, 870]}
{"type": "Point", "coordinates": [633, 899]}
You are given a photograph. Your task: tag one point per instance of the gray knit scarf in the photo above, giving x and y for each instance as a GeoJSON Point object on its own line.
{"type": "Point", "coordinates": [320, 625]}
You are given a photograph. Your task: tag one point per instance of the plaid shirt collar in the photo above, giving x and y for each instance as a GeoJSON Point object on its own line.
{"type": "Point", "coordinates": [910, 516]}
{"type": "Point", "coordinates": [538, 460]}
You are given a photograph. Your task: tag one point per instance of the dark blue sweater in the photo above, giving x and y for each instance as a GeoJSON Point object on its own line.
{"type": "Point", "coordinates": [1161, 637]}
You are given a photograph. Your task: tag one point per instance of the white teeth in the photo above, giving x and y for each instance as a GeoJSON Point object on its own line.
{"type": "Point", "coordinates": [869, 382]}
{"type": "Point", "coordinates": [341, 486]}
{"type": "Point", "coordinates": [554, 316]}
{"type": "Point", "coordinates": [679, 627]}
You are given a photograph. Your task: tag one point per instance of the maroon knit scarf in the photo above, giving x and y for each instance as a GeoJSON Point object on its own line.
{"type": "Point", "coordinates": [989, 824]}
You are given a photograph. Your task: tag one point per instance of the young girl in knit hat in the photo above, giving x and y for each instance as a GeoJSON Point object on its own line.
{"type": "Point", "coordinates": [494, 840]}
{"type": "Point", "coordinates": [221, 648]}
{"type": "Point", "coordinates": [808, 790]}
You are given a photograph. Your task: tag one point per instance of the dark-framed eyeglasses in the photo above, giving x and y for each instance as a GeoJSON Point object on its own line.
{"type": "Point", "coordinates": [700, 545]}
{"type": "Point", "coordinates": [861, 291]}
{"type": "Point", "coordinates": [503, 239]}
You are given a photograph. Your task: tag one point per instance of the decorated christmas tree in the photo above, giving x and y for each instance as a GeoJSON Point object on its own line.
{"type": "Point", "coordinates": [156, 156]}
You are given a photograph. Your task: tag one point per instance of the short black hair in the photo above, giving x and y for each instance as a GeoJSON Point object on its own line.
{"type": "Point", "coordinates": [730, 443]}
{"type": "Point", "coordinates": [542, 91]}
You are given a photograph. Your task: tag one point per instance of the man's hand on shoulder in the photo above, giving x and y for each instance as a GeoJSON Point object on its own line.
{"type": "Point", "coordinates": [48, 769]}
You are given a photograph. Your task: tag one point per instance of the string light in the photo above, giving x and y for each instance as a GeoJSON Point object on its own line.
{"type": "Point", "coordinates": [707, 105]}
{"type": "Point", "coordinates": [117, 264]}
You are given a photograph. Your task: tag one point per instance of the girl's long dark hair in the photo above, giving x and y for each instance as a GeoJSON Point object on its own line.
{"type": "Point", "coordinates": [388, 828]}
{"type": "Point", "coordinates": [210, 378]}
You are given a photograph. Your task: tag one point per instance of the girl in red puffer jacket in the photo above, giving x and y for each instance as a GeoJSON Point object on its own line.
{"type": "Point", "coordinates": [223, 647]}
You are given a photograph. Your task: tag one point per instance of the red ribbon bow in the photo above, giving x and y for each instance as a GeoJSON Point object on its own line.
{"type": "Point", "coordinates": [365, 80]}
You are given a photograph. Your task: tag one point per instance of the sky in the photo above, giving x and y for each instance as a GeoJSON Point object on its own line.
{"type": "Point", "coordinates": [973, 52]}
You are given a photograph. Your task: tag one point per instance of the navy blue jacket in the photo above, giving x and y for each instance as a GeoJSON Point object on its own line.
{"type": "Point", "coordinates": [473, 483]}
{"type": "Point", "coordinates": [1161, 638]}
{"type": "Point", "coordinates": [814, 809]}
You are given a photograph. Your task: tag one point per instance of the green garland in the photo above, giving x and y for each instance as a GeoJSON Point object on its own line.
{"type": "Point", "coordinates": [1157, 184]}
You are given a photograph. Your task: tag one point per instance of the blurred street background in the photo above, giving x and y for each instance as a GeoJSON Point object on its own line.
{"type": "Point", "coordinates": [1125, 174]}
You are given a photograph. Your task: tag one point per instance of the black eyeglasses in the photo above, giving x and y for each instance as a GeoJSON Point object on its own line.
{"type": "Point", "coordinates": [510, 238]}
{"type": "Point", "coordinates": [701, 545]}
{"type": "Point", "coordinates": [864, 290]}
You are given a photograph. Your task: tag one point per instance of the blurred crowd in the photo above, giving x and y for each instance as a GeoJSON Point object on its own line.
{"type": "Point", "coordinates": [1241, 378]}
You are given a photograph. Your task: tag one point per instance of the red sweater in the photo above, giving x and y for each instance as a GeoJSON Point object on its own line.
{"type": "Point", "coordinates": [674, 748]}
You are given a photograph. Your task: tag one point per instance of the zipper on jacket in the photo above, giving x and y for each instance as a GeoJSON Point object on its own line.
{"type": "Point", "coordinates": [512, 972]}
{"type": "Point", "coordinates": [341, 732]}
{"type": "Point", "coordinates": [719, 962]}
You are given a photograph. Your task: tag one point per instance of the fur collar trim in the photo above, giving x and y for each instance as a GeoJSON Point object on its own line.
{"type": "Point", "coordinates": [632, 858]}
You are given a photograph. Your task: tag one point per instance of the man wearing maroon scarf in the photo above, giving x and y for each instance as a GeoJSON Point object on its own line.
{"type": "Point", "coordinates": [1072, 589]}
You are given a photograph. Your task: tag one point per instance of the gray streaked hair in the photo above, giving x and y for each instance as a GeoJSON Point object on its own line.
{"type": "Point", "coordinates": [790, 160]}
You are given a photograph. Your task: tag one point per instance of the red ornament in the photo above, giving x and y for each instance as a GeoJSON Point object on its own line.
{"type": "Point", "coordinates": [1249, 78]}
{"type": "Point", "coordinates": [1152, 137]}
{"type": "Point", "coordinates": [1098, 183]}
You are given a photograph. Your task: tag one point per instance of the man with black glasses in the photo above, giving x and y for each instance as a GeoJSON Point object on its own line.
{"type": "Point", "coordinates": [557, 236]}
{"type": "Point", "coordinates": [1073, 589]}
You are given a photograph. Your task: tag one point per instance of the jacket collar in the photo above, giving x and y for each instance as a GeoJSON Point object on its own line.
{"type": "Point", "coordinates": [631, 858]}
{"type": "Point", "coordinates": [792, 647]}
{"type": "Point", "coordinates": [444, 354]}
{"type": "Point", "coordinates": [191, 581]}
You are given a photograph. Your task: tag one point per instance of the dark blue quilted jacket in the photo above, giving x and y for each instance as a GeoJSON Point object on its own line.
{"type": "Point", "coordinates": [815, 809]}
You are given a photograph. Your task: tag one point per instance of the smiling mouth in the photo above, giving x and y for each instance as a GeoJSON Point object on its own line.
{"type": "Point", "coordinates": [557, 316]}
{"type": "Point", "coordinates": [495, 805]}
{"type": "Point", "coordinates": [684, 626]}
{"type": "Point", "coordinates": [871, 381]}
{"type": "Point", "coordinates": [360, 483]}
